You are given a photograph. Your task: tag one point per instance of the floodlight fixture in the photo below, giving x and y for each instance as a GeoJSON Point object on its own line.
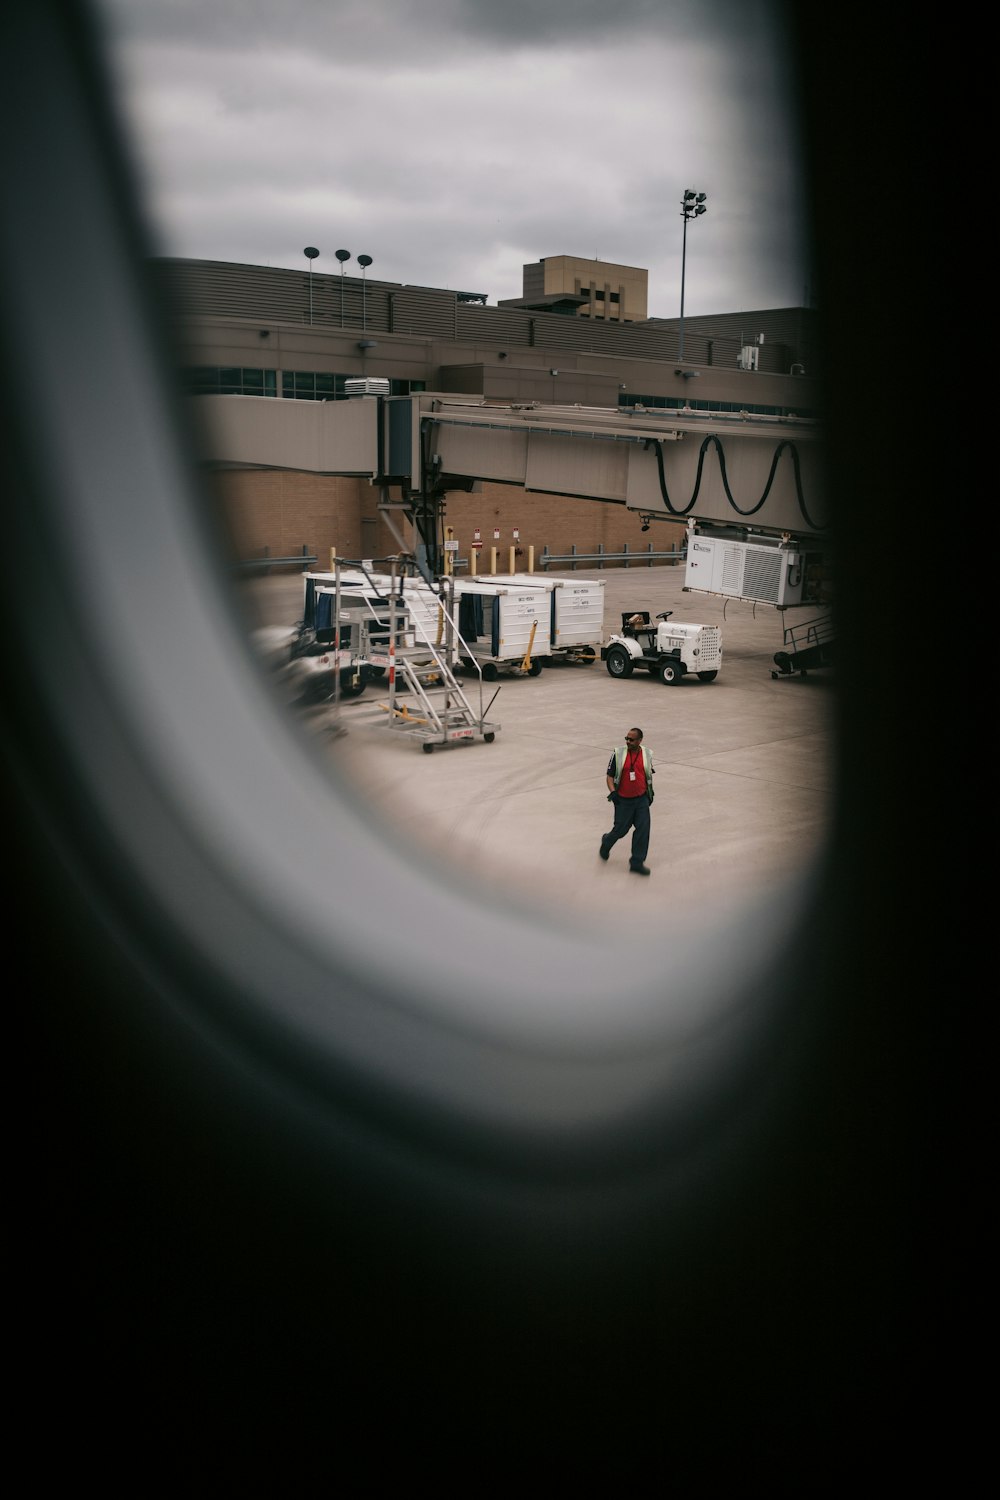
{"type": "Point", "coordinates": [692, 206]}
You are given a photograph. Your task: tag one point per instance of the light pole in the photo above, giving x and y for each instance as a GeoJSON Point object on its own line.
{"type": "Point", "coordinates": [364, 261]}
{"type": "Point", "coordinates": [342, 255]}
{"type": "Point", "coordinates": [310, 253]}
{"type": "Point", "coordinates": [692, 205]}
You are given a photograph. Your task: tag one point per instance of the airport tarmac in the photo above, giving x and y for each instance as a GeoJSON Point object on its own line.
{"type": "Point", "coordinates": [743, 767]}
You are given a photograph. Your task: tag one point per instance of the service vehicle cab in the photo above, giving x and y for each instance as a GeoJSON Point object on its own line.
{"type": "Point", "coordinates": [667, 648]}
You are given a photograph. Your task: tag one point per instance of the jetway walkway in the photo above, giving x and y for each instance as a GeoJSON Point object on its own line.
{"type": "Point", "coordinates": [723, 468]}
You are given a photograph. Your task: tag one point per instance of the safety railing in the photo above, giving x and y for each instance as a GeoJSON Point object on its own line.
{"type": "Point", "coordinates": [818, 632]}
{"type": "Point", "coordinates": [266, 561]}
{"type": "Point", "coordinates": [626, 557]}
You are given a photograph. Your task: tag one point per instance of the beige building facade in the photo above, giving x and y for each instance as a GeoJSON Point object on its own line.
{"type": "Point", "coordinates": [266, 332]}
{"type": "Point", "coordinates": [593, 289]}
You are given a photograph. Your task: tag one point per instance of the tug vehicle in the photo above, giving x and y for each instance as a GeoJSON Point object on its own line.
{"type": "Point", "coordinates": [666, 648]}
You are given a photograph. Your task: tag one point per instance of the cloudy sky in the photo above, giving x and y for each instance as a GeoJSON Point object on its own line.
{"type": "Point", "coordinates": [454, 141]}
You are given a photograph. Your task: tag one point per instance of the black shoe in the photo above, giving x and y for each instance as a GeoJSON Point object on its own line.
{"type": "Point", "coordinates": [603, 852]}
{"type": "Point", "coordinates": [639, 869]}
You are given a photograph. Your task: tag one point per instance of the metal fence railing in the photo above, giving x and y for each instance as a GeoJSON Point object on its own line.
{"type": "Point", "coordinates": [626, 557]}
{"type": "Point", "coordinates": [266, 561]}
{"type": "Point", "coordinates": [646, 557]}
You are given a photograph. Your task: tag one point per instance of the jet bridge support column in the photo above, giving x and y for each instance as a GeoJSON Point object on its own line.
{"type": "Point", "coordinates": [428, 522]}
{"type": "Point", "coordinates": [424, 514]}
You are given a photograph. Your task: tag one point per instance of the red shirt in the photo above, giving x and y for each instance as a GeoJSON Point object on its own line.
{"type": "Point", "coordinates": [633, 762]}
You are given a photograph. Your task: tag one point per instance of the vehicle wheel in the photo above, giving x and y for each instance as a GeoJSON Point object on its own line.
{"type": "Point", "coordinates": [427, 748]}
{"type": "Point", "coordinates": [351, 686]}
{"type": "Point", "coordinates": [618, 662]}
{"type": "Point", "coordinates": [671, 673]}
{"type": "Point", "coordinates": [376, 671]}
{"type": "Point", "coordinates": [536, 666]}
{"type": "Point", "coordinates": [707, 676]}
{"type": "Point", "coordinates": [489, 671]}
{"type": "Point", "coordinates": [489, 737]}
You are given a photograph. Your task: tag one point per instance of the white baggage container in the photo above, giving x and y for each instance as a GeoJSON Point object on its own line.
{"type": "Point", "coordinates": [315, 583]}
{"type": "Point", "coordinates": [503, 624]}
{"type": "Point", "coordinates": [358, 602]}
{"type": "Point", "coordinates": [365, 599]}
{"type": "Point", "coordinates": [576, 611]}
{"type": "Point", "coordinates": [499, 623]}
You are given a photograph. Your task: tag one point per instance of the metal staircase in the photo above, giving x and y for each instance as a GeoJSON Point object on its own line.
{"type": "Point", "coordinates": [412, 638]}
{"type": "Point", "coordinates": [807, 646]}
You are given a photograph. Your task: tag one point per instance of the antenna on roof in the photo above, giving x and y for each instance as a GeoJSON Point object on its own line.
{"type": "Point", "coordinates": [310, 253]}
{"type": "Point", "coordinates": [342, 255]}
{"type": "Point", "coordinates": [364, 261]}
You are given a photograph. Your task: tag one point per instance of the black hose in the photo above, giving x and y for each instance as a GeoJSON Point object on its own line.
{"type": "Point", "coordinates": [713, 441]}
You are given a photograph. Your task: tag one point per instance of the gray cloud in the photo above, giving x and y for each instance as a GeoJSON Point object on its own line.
{"type": "Point", "coordinates": [356, 30]}
{"type": "Point", "coordinates": [454, 140]}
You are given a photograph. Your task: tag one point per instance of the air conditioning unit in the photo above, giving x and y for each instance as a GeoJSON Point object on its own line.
{"type": "Point", "coordinates": [366, 385]}
{"type": "Point", "coordinates": [744, 570]}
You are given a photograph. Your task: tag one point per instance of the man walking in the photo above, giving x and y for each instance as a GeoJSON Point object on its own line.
{"type": "Point", "coordinates": [630, 788]}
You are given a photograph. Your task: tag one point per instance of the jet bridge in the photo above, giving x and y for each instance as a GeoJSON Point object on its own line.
{"type": "Point", "coordinates": [729, 468]}
{"type": "Point", "coordinates": [722, 469]}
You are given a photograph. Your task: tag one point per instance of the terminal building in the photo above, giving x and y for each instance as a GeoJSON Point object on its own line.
{"type": "Point", "coordinates": [579, 337]}
{"type": "Point", "coordinates": [591, 289]}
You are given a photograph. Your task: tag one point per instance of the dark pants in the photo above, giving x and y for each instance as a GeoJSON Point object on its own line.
{"type": "Point", "coordinates": [631, 812]}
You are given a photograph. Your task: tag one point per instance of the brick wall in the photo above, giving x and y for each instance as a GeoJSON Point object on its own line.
{"type": "Point", "coordinates": [282, 511]}
{"type": "Point", "coordinates": [554, 521]}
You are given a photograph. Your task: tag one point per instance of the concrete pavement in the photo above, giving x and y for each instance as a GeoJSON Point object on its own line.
{"type": "Point", "coordinates": [743, 768]}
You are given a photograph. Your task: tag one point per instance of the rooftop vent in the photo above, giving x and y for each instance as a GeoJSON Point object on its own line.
{"type": "Point", "coordinates": [367, 385]}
